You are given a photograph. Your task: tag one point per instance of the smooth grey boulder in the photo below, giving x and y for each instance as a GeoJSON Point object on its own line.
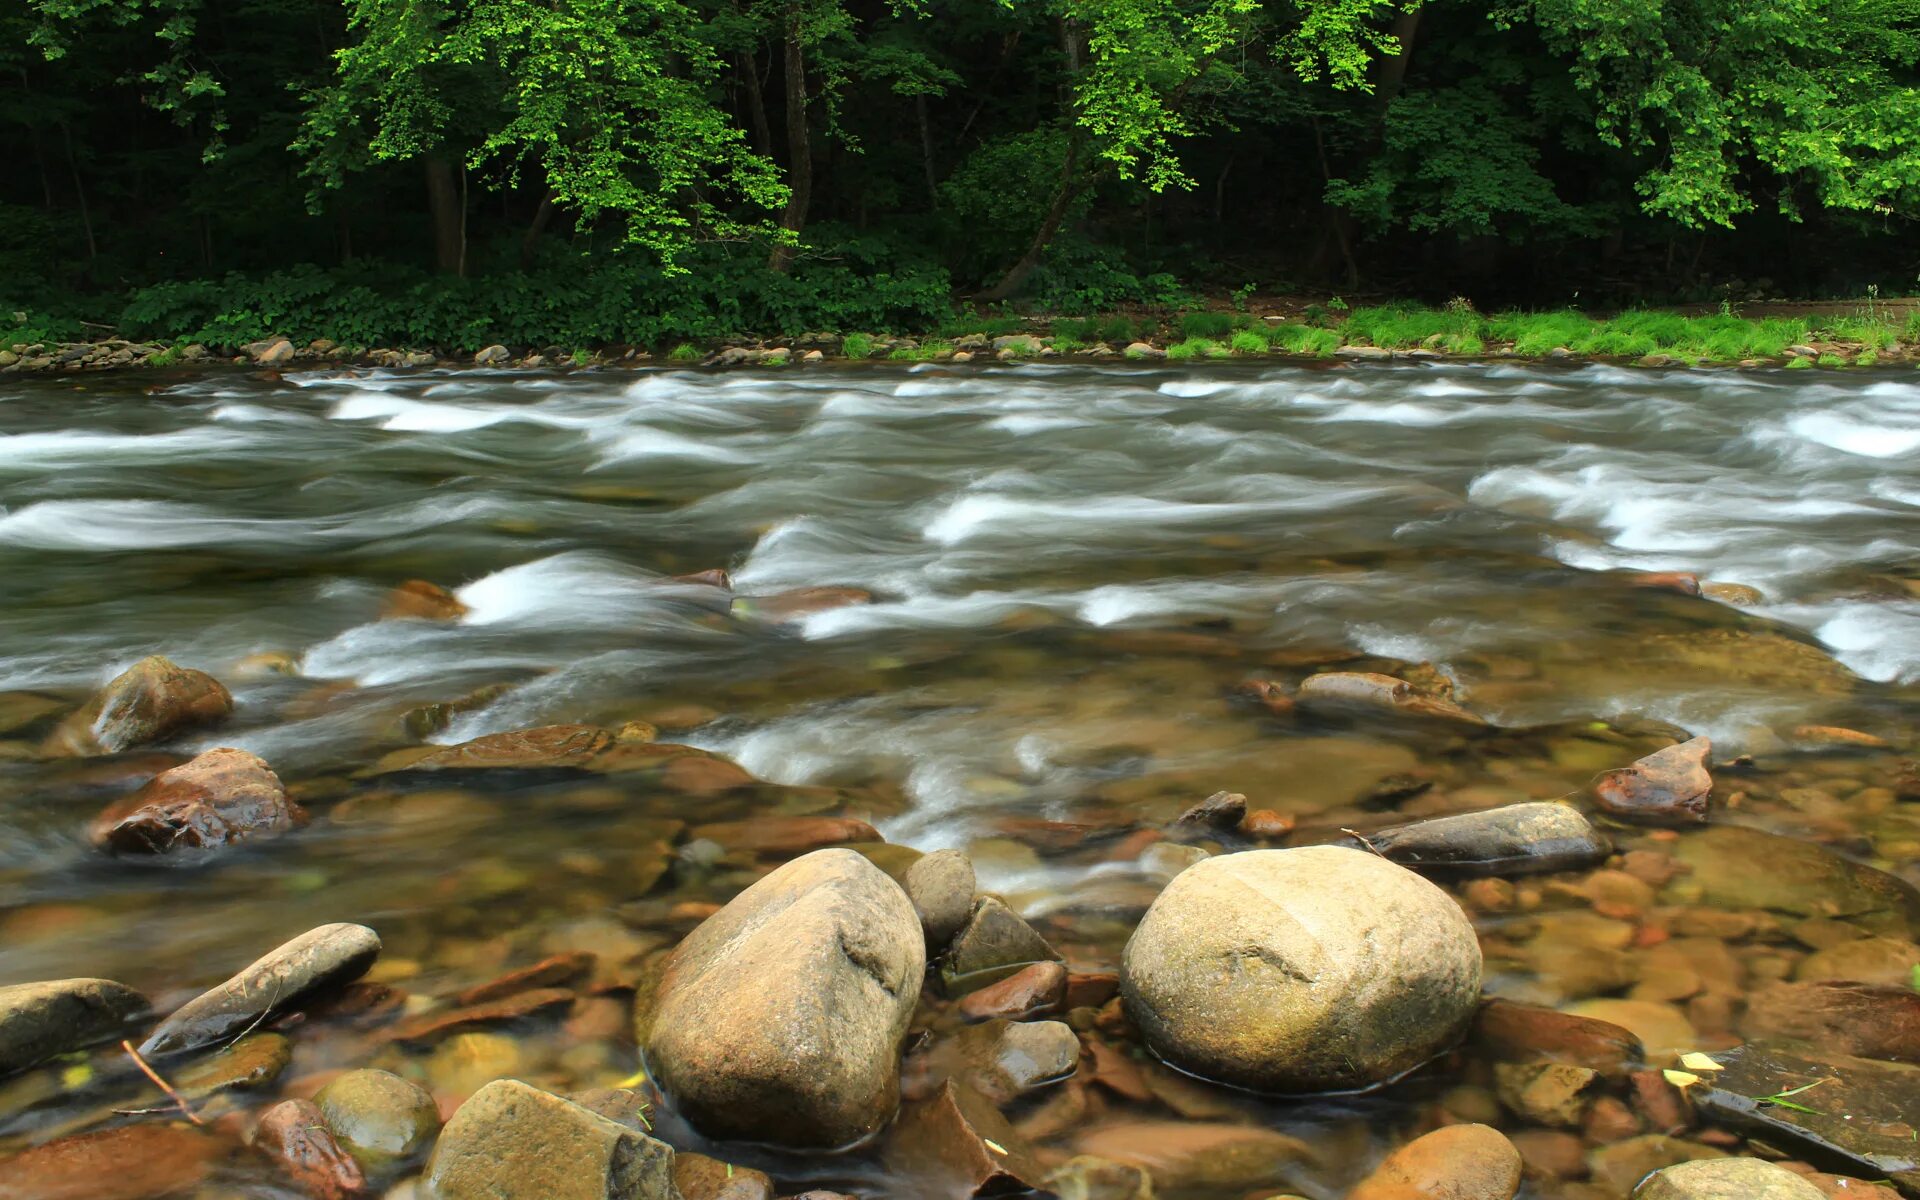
{"type": "Point", "coordinates": [1517, 839]}
{"type": "Point", "coordinates": [995, 936]}
{"type": "Point", "coordinates": [1304, 970]}
{"type": "Point", "coordinates": [41, 1020]}
{"type": "Point", "coordinates": [319, 958]}
{"type": "Point", "coordinates": [941, 887]}
{"type": "Point", "coordinates": [780, 1018]}
{"type": "Point", "coordinates": [510, 1141]}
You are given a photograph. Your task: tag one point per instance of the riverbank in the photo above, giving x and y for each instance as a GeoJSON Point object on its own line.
{"type": "Point", "coordinates": [1823, 335]}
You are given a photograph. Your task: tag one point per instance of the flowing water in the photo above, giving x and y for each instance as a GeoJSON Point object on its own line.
{"type": "Point", "coordinates": [1072, 570]}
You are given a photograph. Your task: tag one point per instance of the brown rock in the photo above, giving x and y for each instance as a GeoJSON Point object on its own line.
{"type": "Point", "coordinates": [1200, 1156]}
{"type": "Point", "coordinates": [552, 971]}
{"type": "Point", "coordinates": [994, 936]}
{"type": "Point", "coordinates": [1460, 1162]}
{"type": "Point", "coordinates": [788, 607]}
{"type": "Point", "coordinates": [1220, 811]}
{"type": "Point", "coordinates": [1863, 1020]}
{"type": "Point", "coordinates": [940, 885]}
{"type": "Point", "coordinates": [1882, 960]}
{"type": "Point", "coordinates": [701, 1178]}
{"type": "Point", "coordinates": [1090, 989]}
{"type": "Point", "coordinates": [1368, 690]}
{"type": "Point", "coordinates": [1667, 581]}
{"type": "Point", "coordinates": [547, 746]}
{"type": "Point", "coordinates": [1661, 1103]}
{"type": "Point", "coordinates": [133, 1162]}
{"type": "Point", "coordinates": [1610, 1120]}
{"type": "Point", "coordinates": [427, 601]}
{"type": "Point", "coordinates": [219, 797]}
{"type": "Point", "coordinates": [512, 1007]}
{"type": "Point", "coordinates": [148, 702]}
{"type": "Point", "coordinates": [295, 1135]}
{"type": "Point", "coordinates": [1726, 1179]}
{"type": "Point", "coordinates": [1528, 1033]}
{"type": "Point", "coordinates": [1036, 989]}
{"type": "Point", "coordinates": [1266, 825]}
{"type": "Point", "coordinates": [956, 1145]}
{"type": "Point", "coordinates": [514, 1142]}
{"type": "Point", "coordinates": [1549, 1093]}
{"type": "Point", "coordinates": [786, 836]}
{"type": "Point", "coordinates": [1546, 1152]}
{"type": "Point", "coordinates": [1830, 737]}
{"type": "Point", "coordinates": [1272, 696]}
{"type": "Point", "coordinates": [699, 775]}
{"type": "Point", "coordinates": [1668, 787]}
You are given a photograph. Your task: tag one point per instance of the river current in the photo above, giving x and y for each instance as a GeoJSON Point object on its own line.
{"type": "Point", "coordinates": [1071, 569]}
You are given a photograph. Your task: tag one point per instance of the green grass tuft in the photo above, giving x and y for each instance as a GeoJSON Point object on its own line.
{"type": "Point", "coordinates": [1250, 341]}
{"type": "Point", "coordinates": [1205, 324]}
{"type": "Point", "coordinates": [857, 345]}
{"type": "Point", "coordinates": [1799, 364]}
{"type": "Point", "coordinates": [1304, 339]}
{"type": "Point", "coordinates": [1196, 347]}
{"type": "Point", "coordinates": [685, 352]}
{"type": "Point", "coordinates": [928, 351]}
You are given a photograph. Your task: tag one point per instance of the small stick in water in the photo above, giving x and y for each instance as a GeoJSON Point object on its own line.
{"type": "Point", "coordinates": [179, 1101]}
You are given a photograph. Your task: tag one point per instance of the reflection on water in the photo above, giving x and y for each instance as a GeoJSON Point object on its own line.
{"type": "Point", "coordinates": [1071, 571]}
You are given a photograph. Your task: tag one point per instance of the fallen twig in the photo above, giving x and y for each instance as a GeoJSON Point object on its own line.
{"type": "Point", "coordinates": [179, 1101]}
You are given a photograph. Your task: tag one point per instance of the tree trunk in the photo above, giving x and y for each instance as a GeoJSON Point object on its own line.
{"type": "Point", "coordinates": [80, 195]}
{"type": "Point", "coordinates": [530, 241]}
{"type": "Point", "coordinates": [756, 105]}
{"type": "Point", "coordinates": [1393, 71]}
{"type": "Point", "coordinates": [799, 146]}
{"type": "Point", "coordinates": [449, 222]}
{"type": "Point", "coordinates": [926, 150]}
{"type": "Point", "coordinates": [1071, 185]}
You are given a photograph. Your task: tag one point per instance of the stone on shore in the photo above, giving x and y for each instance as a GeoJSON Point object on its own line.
{"type": "Point", "coordinates": [319, 958]}
{"type": "Point", "coordinates": [1460, 1162]}
{"type": "Point", "coordinates": [148, 702]}
{"type": "Point", "coordinates": [780, 1018]}
{"type": "Point", "coordinates": [1301, 970]}
{"type": "Point", "coordinates": [219, 797]}
{"type": "Point", "coordinates": [940, 885]}
{"type": "Point", "coordinates": [1667, 787]}
{"type": "Point", "coordinates": [379, 1117]}
{"type": "Point", "coordinates": [1517, 839]}
{"type": "Point", "coordinates": [41, 1020]}
{"type": "Point", "coordinates": [1726, 1179]}
{"type": "Point", "coordinates": [510, 1141]}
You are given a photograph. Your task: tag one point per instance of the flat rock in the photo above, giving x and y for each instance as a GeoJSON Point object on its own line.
{"type": "Point", "coordinates": [217, 798]}
{"type": "Point", "coordinates": [1663, 1030]}
{"type": "Point", "coordinates": [941, 885]}
{"type": "Point", "coordinates": [1510, 1032]}
{"type": "Point", "coordinates": [1726, 1179]}
{"type": "Point", "coordinates": [133, 1162]}
{"type": "Point", "coordinates": [1301, 970]}
{"type": "Point", "coordinates": [1027, 992]}
{"type": "Point", "coordinates": [1518, 839]}
{"type": "Point", "coordinates": [1366, 690]}
{"type": "Point", "coordinates": [542, 748]}
{"type": "Point", "coordinates": [780, 1018]}
{"type": "Point", "coordinates": [148, 702]}
{"type": "Point", "coordinates": [514, 1142]}
{"type": "Point", "coordinates": [1203, 1156]}
{"type": "Point", "coordinates": [1668, 787]}
{"type": "Point", "coordinates": [1862, 1020]}
{"type": "Point", "coordinates": [295, 1135]}
{"type": "Point", "coordinates": [1801, 878]}
{"type": "Point", "coordinates": [324, 957]}
{"type": "Point", "coordinates": [786, 835]}
{"type": "Point", "coordinates": [1859, 1116]}
{"type": "Point", "coordinates": [41, 1020]}
{"type": "Point", "coordinates": [1004, 1060]}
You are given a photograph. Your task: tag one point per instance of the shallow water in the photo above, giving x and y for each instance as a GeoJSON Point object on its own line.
{"type": "Point", "coordinates": [1072, 568]}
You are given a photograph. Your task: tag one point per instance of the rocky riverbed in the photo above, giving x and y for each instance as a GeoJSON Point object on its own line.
{"type": "Point", "coordinates": [1188, 838]}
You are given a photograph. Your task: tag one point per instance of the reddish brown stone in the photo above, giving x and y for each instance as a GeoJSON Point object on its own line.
{"type": "Point", "coordinates": [546, 746]}
{"type": "Point", "coordinates": [1272, 696]}
{"type": "Point", "coordinates": [427, 601]}
{"type": "Point", "coordinates": [1090, 989]}
{"type": "Point", "coordinates": [1514, 1032]}
{"type": "Point", "coordinates": [295, 1135]}
{"type": "Point", "coordinates": [133, 1162]}
{"type": "Point", "coordinates": [1113, 1070]}
{"type": "Point", "coordinates": [1668, 581]}
{"type": "Point", "coordinates": [1668, 787]}
{"type": "Point", "coordinates": [1664, 1108]}
{"type": "Point", "coordinates": [696, 776]}
{"type": "Point", "coordinates": [1130, 847]}
{"type": "Point", "coordinates": [429, 1026]}
{"type": "Point", "coordinates": [714, 577]}
{"type": "Point", "coordinates": [786, 836]}
{"type": "Point", "coordinates": [221, 796]}
{"type": "Point", "coordinates": [1610, 1120]}
{"type": "Point", "coordinates": [148, 702]}
{"type": "Point", "coordinates": [548, 972]}
{"type": "Point", "coordinates": [1864, 1020]}
{"type": "Point", "coordinates": [1550, 1153]}
{"type": "Point", "coordinates": [1032, 990]}
{"type": "Point", "coordinates": [1264, 824]}
{"type": "Point", "coordinates": [1048, 837]}
{"type": "Point", "coordinates": [956, 1144]}
{"type": "Point", "coordinates": [701, 1178]}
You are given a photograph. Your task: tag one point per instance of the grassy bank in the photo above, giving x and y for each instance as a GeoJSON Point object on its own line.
{"type": "Point", "coordinates": [1873, 333]}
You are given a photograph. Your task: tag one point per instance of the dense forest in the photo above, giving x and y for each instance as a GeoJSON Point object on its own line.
{"type": "Point", "coordinates": [630, 170]}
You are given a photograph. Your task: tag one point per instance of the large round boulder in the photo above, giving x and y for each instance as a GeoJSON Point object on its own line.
{"type": "Point", "coordinates": [780, 1018]}
{"type": "Point", "coordinates": [1301, 970]}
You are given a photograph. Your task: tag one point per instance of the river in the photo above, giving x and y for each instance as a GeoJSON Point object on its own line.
{"type": "Point", "coordinates": [1071, 569]}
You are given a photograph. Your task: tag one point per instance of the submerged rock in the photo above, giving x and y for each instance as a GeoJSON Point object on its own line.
{"type": "Point", "coordinates": [940, 885]}
{"type": "Point", "coordinates": [41, 1020]}
{"type": "Point", "coordinates": [148, 702]}
{"type": "Point", "coordinates": [1369, 690]}
{"type": "Point", "coordinates": [1220, 812]}
{"type": "Point", "coordinates": [1460, 1162]}
{"type": "Point", "coordinates": [786, 836]}
{"type": "Point", "coordinates": [1202, 1156]}
{"type": "Point", "coordinates": [547, 746]}
{"type": "Point", "coordinates": [1667, 787]}
{"type": "Point", "coordinates": [1511, 1032]}
{"type": "Point", "coordinates": [1726, 1179]}
{"type": "Point", "coordinates": [514, 1142]}
{"type": "Point", "coordinates": [1301, 970]}
{"type": "Point", "coordinates": [426, 601]}
{"type": "Point", "coordinates": [701, 1178]}
{"type": "Point", "coordinates": [219, 797]}
{"type": "Point", "coordinates": [1859, 1019]}
{"type": "Point", "coordinates": [788, 607]}
{"type": "Point", "coordinates": [780, 1018]}
{"type": "Point", "coordinates": [1003, 1060]}
{"type": "Point", "coordinates": [955, 1145]}
{"type": "Point", "coordinates": [134, 1162]}
{"type": "Point", "coordinates": [1031, 990]}
{"type": "Point", "coordinates": [1518, 839]}
{"type": "Point", "coordinates": [295, 1135]}
{"type": "Point", "coordinates": [324, 957]}
{"type": "Point", "coordinates": [1855, 1114]}
{"type": "Point", "coordinates": [1800, 878]}
{"type": "Point", "coordinates": [379, 1117]}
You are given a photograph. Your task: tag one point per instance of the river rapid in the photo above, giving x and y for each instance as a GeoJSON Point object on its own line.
{"type": "Point", "coordinates": [1071, 572]}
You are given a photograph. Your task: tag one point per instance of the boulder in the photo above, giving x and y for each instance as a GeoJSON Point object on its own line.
{"type": "Point", "coordinates": [319, 958]}
{"type": "Point", "coordinates": [490, 356]}
{"type": "Point", "coordinates": [514, 1142]}
{"type": "Point", "coordinates": [1460, 1162]}
{"type": "Point", "coordinates": [148, 702]}
{"type": "Point", "coordinates": [940, 885]}
{"type": "Point", "coordinates": [1301, 970]}
{"type": "Point", "coordinates": [295, 1136]}
{"type": "Point", "coordinates": [41, 1020]}
{"type": "Point", "coordinates": [1726, 1179]}
{"type": "Point", "coordinates": [993, 937]}
{"type": "Point", "coordinates": [1668, 787]}
{"type": "Point", "coordinates": [780, 1018]}
{"type": "Point", "coordinates": [379, 1117]}
{"type": "Point", "coordinates": [216, 798]}
{"type": "Point", "coordinates": [1518, 839]}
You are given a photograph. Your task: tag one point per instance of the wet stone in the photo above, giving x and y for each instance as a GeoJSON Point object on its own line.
{"type": "Point", "coordinates": [1668, 787]}
{"type": "Point", "coordinates": [701, 1178]}
{"type": "Point", "coordinates": [786, 836]}
{"type": "Point", "coordinates": [1003, 1060]}
{"type": "Point", "coordinates": [1467, 1162]}
{"type": "Point", "coordinates": [1863, 1020]}
{"type": "Point", "coordinates": [294, 1134]}
{"type": "Point", "coordinates": [429, 1027]}
{"type": "Point", "coordinates": [510, 1141]}
{"type": "Point", "coordinates": [220, 797]}
{"type": "Point", "coordinates": [1032, 990]}
{"type": "Point", "coordinates": [422, 600]}
{"type": "Point", "coordinates": [146, 1161]}
{"type": "Point", "coordinates": [543, 748]}
{"type": "Point", "coordinates": [941, 886]}
{"type": "Point", "coordinates": [1518, 839]}
{"type": "Point", "coordinates": [1085, 1177]}
{"type": "Point", "coordinates": [994, 936]}
{"type": "Point", "coordinates": [1801, 879]}
{"type": "Point", "coordinates": [1219, 812]}
{"type": "Point", "coordinates": [1200, 1156]}
{"type": "Point", "coordinates": [1359, 690]}
{"type": "Point", "coordinates": [1726, 1179]}
{"type": "Point", "coordinates": [552, 971]}
{"type": "Point", "coordinates": [148, 702]}
{"type": "Point", "coordinates": [379, 1117]}
{"type": "Point", "coordinates": [955, 1145]}
{"type": "Point", "coordinates": [252, 1062]}
{"type": "Point", "coordinates": [1866, 960]}
{"type": "Point", "coordinates": [1551, 1094]}
{"type": "Point", "coordinates": [41, 1020]}
{"type": "Point", "coordinates": [320, 958]}
{"type": "Point", "coordinates": [1662, 1029]}
{"type": "Point", "coordinates": [1859, 1116]}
